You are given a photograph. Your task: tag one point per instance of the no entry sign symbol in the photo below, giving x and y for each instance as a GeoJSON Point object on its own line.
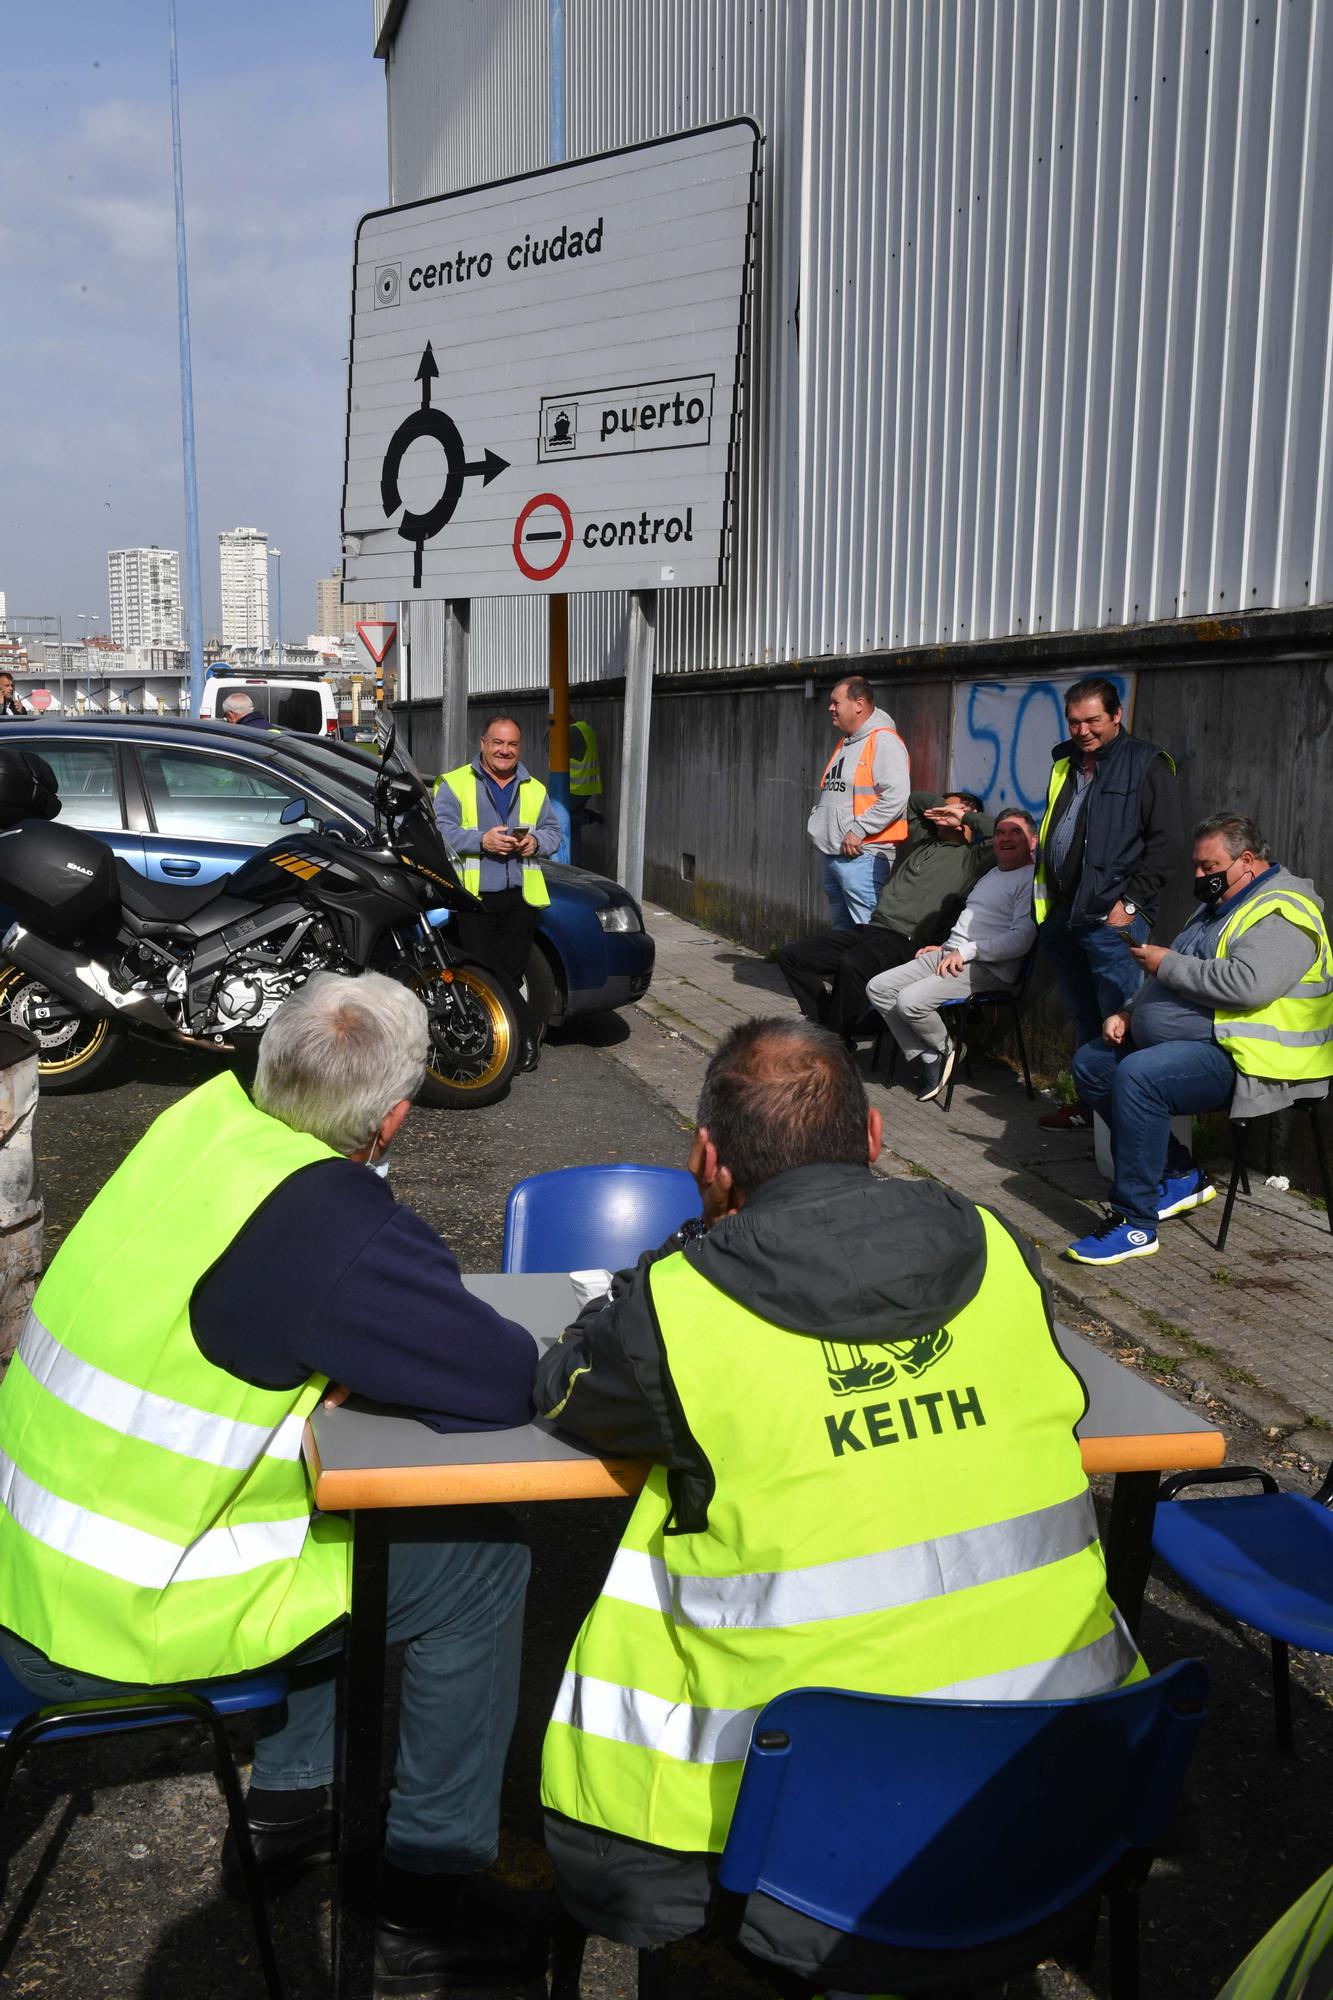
{"type": "Point", "coordinates": [543, 536]}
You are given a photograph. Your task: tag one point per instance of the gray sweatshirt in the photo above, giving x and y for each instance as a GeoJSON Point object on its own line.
{"type": "Point", "coordinates": [1259, 967]}
{"type": "Point", "coordinates": [832, 816]}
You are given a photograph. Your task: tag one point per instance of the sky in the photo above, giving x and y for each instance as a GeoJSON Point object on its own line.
{"type": "Point", "coordinates": [283, 149]}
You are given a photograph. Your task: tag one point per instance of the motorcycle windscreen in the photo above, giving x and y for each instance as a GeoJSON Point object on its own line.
{"type": "Point", "coordinates": [60, 881]}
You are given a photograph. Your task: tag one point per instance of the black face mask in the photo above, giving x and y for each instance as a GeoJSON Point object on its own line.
{"type": "Point", "coordinates": [1210, 889]}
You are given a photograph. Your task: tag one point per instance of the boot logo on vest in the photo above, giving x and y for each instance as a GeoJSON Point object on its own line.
{"type": "Point", "coordinates": [851, 1367]}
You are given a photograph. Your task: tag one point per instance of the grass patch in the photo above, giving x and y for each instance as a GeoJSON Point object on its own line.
{"type": "Point", "coordinates": [1221, 1276]}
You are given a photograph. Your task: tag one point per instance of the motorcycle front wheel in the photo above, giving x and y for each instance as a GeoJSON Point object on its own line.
{"type": "Point", "coordinates": [473, 1036]}
{"type": "Point", "coordinates": [73, 1052]}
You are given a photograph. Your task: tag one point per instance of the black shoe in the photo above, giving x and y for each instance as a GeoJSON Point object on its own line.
{"type": "Point", "coordinates": [930, 1074]}
{"type": "Point", "coordinates": [530, 1052]}
{"type": "Point", "coordinates": [285, 1851]}
{"type": "Point", "coordinates": [488, 1935]}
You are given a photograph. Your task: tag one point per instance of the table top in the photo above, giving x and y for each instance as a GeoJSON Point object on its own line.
{"type": "Point", "coordinates": [363, 1457]}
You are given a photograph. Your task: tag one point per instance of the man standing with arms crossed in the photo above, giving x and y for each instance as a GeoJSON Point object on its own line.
{"type": "Point", "coordinates": [500, 820]}
{"type": "Point", "coordinates": [1111, 836]}
{"type": "Point", "coordinates": [862, 803]}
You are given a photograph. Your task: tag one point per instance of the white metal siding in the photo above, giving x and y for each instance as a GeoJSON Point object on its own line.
{"type": "Point", "coordinates": [1064, 276]}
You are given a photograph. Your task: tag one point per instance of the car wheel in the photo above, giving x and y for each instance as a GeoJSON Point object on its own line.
{"type": "Point", "coordinates": [545, 995]}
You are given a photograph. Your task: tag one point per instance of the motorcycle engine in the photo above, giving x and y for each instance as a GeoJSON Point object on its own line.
{"type": "Point", "coordinates": [249, 999]}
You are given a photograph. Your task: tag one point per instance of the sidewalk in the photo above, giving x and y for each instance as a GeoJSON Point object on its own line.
{"type": "Point", "coordinates": [1252, 1328]}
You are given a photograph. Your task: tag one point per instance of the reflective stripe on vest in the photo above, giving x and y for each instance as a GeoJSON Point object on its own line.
{"type": "Point", "coordinates": [857, 1585]}
{"type": "Point", "coordinates": [722, 1735]}
{"type": "Point", "coordinates": [864, 795]}
{"type": "Point", "coordinates": [531, 798]}
{"type": "Point", "coordinates": [1291, 1038]}
{"type": "Point", "coordinates": [155, 1515]}
{"type": "Point", "coordinates": [963, 1554]}
{"type": "Point", "coordinates": [585, 767]}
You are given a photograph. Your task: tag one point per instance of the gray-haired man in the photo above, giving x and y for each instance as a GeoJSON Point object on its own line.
{"type": "Point", "coordinates": [241, 1260]}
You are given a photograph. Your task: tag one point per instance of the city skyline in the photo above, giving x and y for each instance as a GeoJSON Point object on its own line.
{"type": "Point", "coordinates": [90, 396]}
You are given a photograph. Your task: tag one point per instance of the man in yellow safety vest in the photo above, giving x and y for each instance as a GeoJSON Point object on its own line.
{"type": "Point", "coordinates": [499, 818]}
{"type": "Point", "coordinates": [1236, 1014]}
{"type": "Point", "coordinates": [763, 1359]}
{"type": "Point", "coordinates": [156, 1521]}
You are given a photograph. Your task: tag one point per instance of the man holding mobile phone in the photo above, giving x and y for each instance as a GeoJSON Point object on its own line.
{"type": "Point", "coordinates": [498, 817]}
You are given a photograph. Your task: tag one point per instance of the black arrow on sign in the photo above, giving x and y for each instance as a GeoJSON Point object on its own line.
{"type": "Point", "coordinates": [438, 424]}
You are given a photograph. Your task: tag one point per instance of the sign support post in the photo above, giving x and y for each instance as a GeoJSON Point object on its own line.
{"type": "Point", "coordinates": [557, 740]}
{"type": "Point", "coordinates": [640, 659]}
{"type": "Point", "coordinates": [454, 745]}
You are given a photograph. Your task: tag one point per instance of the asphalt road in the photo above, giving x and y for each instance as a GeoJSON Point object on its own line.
{"type": "Point", "coordinates": [109, 1855]}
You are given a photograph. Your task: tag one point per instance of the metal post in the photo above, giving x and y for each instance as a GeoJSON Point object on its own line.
{"type": "Point", "coordinates": [557, 749]}
{"type": "Point", "coordinates": [187, 398]}
{"type": "Point", "coordinates": [640, 657]}
{"type": "Point", "coordinates": [277, 655]}
{"type": "Point", "coordinates": [454, 745]}
{"type": "Point", "coordinates": [60, 657]}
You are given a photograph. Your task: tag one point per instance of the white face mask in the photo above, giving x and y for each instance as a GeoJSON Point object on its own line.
{"type": "Point", "coordinates": [381, 1167]}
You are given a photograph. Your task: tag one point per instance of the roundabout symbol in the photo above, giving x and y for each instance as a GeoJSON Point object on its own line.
{"type": "Point", "coordinates": [438, 424]}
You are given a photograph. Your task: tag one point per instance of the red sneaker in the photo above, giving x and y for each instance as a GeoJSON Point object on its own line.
{"type": "Point", "coordinates": [1067, 1118]}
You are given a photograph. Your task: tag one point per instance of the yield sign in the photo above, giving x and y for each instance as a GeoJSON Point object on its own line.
{"type": "Point", "coordinates": [377, 635]}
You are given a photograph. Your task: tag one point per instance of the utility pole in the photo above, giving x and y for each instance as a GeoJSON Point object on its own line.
{"type": "Point", "coordinates": [195, 592]}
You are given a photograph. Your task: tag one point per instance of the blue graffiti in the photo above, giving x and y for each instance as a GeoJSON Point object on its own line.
{"type": "Point", "coordinates": [1010, 729]}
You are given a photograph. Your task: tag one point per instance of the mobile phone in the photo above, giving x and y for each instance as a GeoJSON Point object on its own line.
{"type": "Point", "coordinates": [520, 832]}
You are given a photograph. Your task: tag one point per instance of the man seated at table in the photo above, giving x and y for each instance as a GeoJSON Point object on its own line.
{"type": "Point", "coordinates": [818, 1316]}
{"type": "Point", "coordinates": [1236, 1015]}
{"type": "Point", "coordinates": [947, 848]}
{"type": "Point", "coordinates": [991, 936]}
{"type": "Point", "coordinates": [156, 1523]}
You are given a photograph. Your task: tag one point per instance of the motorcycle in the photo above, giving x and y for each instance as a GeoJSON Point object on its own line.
{"type": "Point", "coordinates": [99, 953]}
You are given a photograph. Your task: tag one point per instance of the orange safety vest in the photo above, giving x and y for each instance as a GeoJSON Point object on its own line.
{"type": "Point", "coordinates": [863, 787]}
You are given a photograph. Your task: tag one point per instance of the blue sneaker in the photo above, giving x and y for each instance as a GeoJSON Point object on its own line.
{"type": "Point", "coordinates": [1112, 1242]}
{"type": "Point", "coordinates": [1179, 1193]}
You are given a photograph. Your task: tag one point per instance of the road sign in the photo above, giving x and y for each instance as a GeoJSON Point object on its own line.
{"type": "Point", "coordinates": [545, 377]}
{"type": "Point", "coordinates": [377, 650]}
{"type": "Point", "coordinates": [40, 700]}
{"type": "Point", "coordinates": [543, 537]}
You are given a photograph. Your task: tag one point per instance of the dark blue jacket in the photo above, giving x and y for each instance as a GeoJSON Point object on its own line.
{"type": "Point", "coordinates": [1131, 837]}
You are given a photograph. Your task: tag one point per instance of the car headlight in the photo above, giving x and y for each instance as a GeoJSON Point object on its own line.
{"type": "Point", "coordinates": [620, 917]}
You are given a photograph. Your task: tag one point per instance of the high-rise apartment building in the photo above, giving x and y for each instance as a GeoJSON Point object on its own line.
{"type": "Point", "coordinates": [333, 619]}
{"type": "Point", "coordinates": [244, 558]}
{"type": "Point", "coordinates": [144, 586]}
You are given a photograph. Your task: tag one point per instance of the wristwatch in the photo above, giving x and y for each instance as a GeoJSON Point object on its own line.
{"type": "Point", "coordinates": [1130, 909]}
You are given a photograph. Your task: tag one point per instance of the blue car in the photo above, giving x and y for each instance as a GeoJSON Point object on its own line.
{"type": "Point", "coordinates": [190, 801]}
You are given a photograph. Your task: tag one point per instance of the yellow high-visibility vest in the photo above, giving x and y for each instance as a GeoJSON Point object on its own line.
{"type": "Point", "coordinates": [585, 768]}
{"type": "Point", "coordinates": [531, 798]}
{"type": "Point", "coordinates": [903, 1517]}
{"type": "Point", "coordinates": [155, 1515]}
{"type": "Point", "coordinates": [1290, 1039]}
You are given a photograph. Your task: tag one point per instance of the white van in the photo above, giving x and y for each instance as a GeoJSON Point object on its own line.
{"type": "Point", "coordinates": [309, 706]}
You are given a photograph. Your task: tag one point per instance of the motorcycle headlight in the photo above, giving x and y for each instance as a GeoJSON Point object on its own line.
{"type": "Point", "coordinates": [620, 917]}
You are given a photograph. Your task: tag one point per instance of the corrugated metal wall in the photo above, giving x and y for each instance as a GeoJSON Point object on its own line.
{"type": "Point", "coordinates": [1043, 336]}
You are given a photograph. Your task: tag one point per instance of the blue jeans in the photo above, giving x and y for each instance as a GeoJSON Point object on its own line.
{"type": "Point", "coordinates": [1096, 973]}
{"type": "Point", "coordinates": [852, 883]}
{"type": "Point", "coordinates": [1138, 1092]}
{"type": "Point", "coordinates": [459, 1605]}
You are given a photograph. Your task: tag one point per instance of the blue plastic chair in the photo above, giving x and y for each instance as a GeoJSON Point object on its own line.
{"type": "Point", "coordinates": [24, 1725]}
{"type": "Point", "coordinates": [1266, 1558]}
{"type": "Point", "coordinates": [942, 1827]}
{"type": "Point", "coordinates": [594, 1218]}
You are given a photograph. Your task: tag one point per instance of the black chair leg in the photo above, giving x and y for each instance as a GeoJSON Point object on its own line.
{"type": "Point", "coordinates": [655, 1973]}
{"type": "Point", "coordinates": [1321, 1157]}
{"type": "Point", "coordinates": [1238, 1174]}
{"type": "Point", "coordinates": [1017, 1013]}
{"type": "Point", "coordinates": [245, 1853]}
{"type": "Point", "coordinates": [1124, 1944]}
{"type": "Point", "coordinates": [567, 1945]}
{"type": "Point", "coordinates": [1282, 1697]}
{"type": "Point", "coordinates": [954, 1027]}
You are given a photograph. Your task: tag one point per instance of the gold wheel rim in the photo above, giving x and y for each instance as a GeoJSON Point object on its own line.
{"type": "Point", "coordinates": [52, 1064]}
{"type": "Point", "coordinates": [496, 1014]}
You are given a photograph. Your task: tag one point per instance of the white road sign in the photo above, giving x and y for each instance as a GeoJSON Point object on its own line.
{"type": "Point", "coordinates": [544, 391]}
